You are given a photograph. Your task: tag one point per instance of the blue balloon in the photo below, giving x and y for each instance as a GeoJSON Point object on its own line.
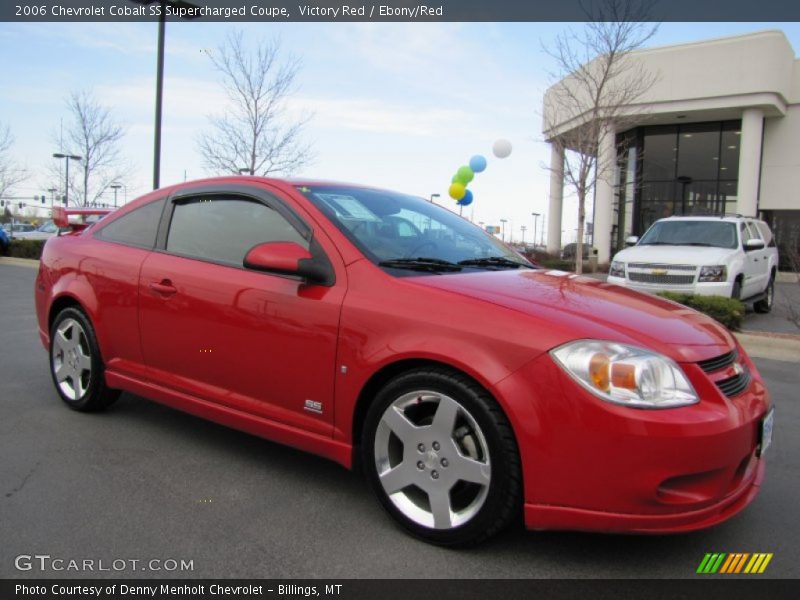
{"type": "Point", "coordinates": [477, 163]}
{"type": "Point", "coordinates": [467, 199]}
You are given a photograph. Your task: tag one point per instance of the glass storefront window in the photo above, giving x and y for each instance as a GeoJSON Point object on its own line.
{"type": "Point", "coordinates": [677, 169]}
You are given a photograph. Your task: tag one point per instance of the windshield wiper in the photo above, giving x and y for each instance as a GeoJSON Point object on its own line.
{"type": "Point", "coordinates": [493, 261]}
{"type": "Point", "coordinates": [420, 264]}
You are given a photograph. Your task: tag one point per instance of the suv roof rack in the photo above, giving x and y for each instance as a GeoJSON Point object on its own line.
{"type": "Point", "coordinates": [721, 216]}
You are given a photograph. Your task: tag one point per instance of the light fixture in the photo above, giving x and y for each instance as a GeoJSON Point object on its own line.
{"type": "Point", "coordinates": [687, 135]}
{"type": "Point", "coordinates": [732, 147]}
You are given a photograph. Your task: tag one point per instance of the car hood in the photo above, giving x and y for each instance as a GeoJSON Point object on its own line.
{"type": "Point", "coordinates": [561, 307]}
{"type": "Point", "coordinates": [675, 255]}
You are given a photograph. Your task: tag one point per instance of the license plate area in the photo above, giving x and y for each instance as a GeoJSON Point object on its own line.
{"type": "Point", "coordinates": [765, 433]}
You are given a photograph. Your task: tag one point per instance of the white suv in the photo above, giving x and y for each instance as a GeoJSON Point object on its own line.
{"type": "Point", "coordinates": [726, 256]}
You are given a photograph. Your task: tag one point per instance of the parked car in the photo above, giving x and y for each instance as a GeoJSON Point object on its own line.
{"type": "Point", "coordinates": [734, 257]}
{"type": "Point", "coordinates": [474, 389]}
{"type": "Point", "coordinates": [569, 251]}
{"type": "Point", "coordinates": [46, 230]}
{"type": "Point", "coordinates": [16, 229]}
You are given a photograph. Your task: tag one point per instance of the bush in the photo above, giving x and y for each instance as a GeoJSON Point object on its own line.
{"type": "Point", "coordinates": [549, 261]}
{"type": "Point", "coordinates": [727, 311]}
{"type": "Point", "coordinates": [25, 248]}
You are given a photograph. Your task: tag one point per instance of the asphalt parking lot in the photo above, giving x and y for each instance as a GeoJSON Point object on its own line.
{"type": "Point", "coordinates": [142, 481]}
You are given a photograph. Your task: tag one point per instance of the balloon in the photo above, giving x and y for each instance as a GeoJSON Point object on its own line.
{"type": "Point", "coordinates": [458, 179]}
{"type": "Point", "coordinates": [457, 191]}
{"type": "Point", "coordinates": [467, 199]}
{"type": "Point", "coordinates": [477, 163]}
{"type": "Point", "coordinates": [501, 148]}
{"type": "Point", "coordinates": [465, 174]}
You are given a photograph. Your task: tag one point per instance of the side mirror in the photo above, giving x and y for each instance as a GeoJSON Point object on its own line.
{"type": "Point", "coordinates": [753, 244]}
{"type": "Point", "coordinates": [287, 258]}
{"type": "Point", "coordinates": [632, 240]}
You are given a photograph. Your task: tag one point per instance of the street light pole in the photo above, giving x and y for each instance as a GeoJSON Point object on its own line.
{"type": "Point", "coordinates": [434, 196]}
{"type": "Point", "coordinates": [115, 187]}
{"type": "Point", "coordinates": [523, 228]}
{"type": "Point", "coordinates": [535, 216]}
{"type": "Point", "coordinates": [503, 225]}
{"type": "Point", "coordinates": [67, 157]}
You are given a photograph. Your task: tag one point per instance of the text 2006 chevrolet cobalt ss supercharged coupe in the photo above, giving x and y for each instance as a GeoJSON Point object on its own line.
{"type": "Point", "coordinates": [365, 325]}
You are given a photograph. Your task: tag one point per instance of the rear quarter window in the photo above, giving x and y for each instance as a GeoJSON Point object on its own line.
{"type": "Point", "coordinates": [136, 228]}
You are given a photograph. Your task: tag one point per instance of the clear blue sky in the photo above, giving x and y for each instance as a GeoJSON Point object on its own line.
{"type": "Point", "coordinates": [395, 105]}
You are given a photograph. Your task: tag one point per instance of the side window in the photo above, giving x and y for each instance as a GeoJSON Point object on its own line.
{"type": "Point", "coordinates": [222, 229]}
{"type": "Point", "coordinates": [752, 232]}
{"type": "Point", "coordinates": [137, 228]}
{"type": "Point", "coordinates": [766, 234]}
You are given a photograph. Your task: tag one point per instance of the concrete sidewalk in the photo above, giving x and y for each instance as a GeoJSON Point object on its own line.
{"type": "Point", "coordinates": [19, 262]}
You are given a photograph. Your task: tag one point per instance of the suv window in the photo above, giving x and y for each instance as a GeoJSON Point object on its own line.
{"type": "Point", "coordinates": [222, 230]}
{"type": "Point", "coordinates": [719, 234]}
{"type": "Point", "coordinates": [136, 228]}
{"type": "Point", "coordinates": [752, 232]}
{"type": "Point", "coordinates": [766, 234]}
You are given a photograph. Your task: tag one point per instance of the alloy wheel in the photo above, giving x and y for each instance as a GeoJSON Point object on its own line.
{"type": "Point", "coordinates": [72, 360]}
{"type": "Point", "coordinates": [432, 459]}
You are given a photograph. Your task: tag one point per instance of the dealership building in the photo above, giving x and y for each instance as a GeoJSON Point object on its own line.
{"type": "Point", "coordinates": [718, 132]}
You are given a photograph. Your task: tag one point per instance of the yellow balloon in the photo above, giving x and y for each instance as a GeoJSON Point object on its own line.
{"type": "Point", "coordinates": [457, 191]}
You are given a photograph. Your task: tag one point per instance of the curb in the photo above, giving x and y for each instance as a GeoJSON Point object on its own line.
{"type": "Point", "coordinates": [787, 277]}
{"type": "Point", "coordinates": [20, 262]}
{"type": "Point", "coordinates": [774, 346]}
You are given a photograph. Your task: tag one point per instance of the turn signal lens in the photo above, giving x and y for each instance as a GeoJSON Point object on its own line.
{"type": "Point", "coordinates": [625, 374]}
{"type": "Point", "coordinates": [598, 371]}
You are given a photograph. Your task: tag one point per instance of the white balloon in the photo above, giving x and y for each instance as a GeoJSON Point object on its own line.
{"type": "Point", "coordinates": [501, 148]}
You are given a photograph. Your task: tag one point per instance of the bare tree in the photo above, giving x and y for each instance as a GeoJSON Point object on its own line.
{"type": "Point", "coordinates": [254, 134]}
{"type": "Point", "coordinates": [11, 174]}
{"type": "Point", "coordinates": [596, 85]}
{"type": "Point", "coordinates": [94, 134]}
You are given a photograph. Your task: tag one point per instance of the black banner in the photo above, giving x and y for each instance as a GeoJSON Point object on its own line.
{"type": "Point", "coordinates": [730, 588]}
{"type": "Point", "coordinates": [383, 10]}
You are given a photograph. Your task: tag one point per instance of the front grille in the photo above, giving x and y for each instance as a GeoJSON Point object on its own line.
{"type": "Point", "coordinates": [691, 268]}
{"type": "Point", "coordinates": [734, 385]}
{"type": "Point", "coordinates": [718, 362]}
{"type": "Point", "coordinates": [665, 279]}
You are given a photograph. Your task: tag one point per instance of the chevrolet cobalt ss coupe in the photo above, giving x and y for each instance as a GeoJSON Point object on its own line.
{"type": "Point", "coordinates": [474, 388]}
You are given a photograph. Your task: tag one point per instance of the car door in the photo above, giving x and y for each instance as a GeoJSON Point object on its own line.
{"type": "Point", "coordinates": [757, 265]}
{"type": "Point", "coordinates": [255, 342]}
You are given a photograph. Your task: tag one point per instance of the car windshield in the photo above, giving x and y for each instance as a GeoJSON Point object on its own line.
{"type": "Point", "coordinates": [718, 234]}
{"type": "Point", "coordinates": [403, 232]}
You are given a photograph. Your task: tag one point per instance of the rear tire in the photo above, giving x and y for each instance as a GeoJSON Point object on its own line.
{"type": "Point", "coordinates": [76, 365]}
{"type": "Point", "coordinates": [441, 456]}
{"type": "Point", "coordinates": [764, 305]}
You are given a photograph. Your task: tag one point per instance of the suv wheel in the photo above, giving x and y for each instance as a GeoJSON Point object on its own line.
{"type": "Point", "coordinates": [765, 304]}
{"type": "Point", "coordinates": [736, 293]}
{"type": "Point", "coordinates": [442, 458]}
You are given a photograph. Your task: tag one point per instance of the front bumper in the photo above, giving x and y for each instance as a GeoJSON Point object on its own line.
{"type": "Point", "coordinates": [720, 288]}
{"type": "Point", "coordinates": [592, 465]}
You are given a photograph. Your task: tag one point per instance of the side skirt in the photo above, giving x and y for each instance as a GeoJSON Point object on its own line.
{"type": "Point", "coordinates": [271, 430]}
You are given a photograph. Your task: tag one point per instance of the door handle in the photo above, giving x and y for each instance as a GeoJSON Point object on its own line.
{"type": "Point", "coordinates": [164, 287]}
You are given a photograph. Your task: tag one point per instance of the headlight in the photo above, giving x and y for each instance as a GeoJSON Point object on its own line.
{"type": "Point", "coordinates": [626, 375]}
{"type": "Point", "coordinates": [715, 273]}
{"type": "Point", "coordinates": [617, 269]}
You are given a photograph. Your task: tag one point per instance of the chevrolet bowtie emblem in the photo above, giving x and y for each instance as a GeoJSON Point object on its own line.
{"type": "Point", "coordinates": [659, 271]}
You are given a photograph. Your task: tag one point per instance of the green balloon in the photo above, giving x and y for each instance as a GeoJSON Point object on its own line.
{"type": "Point", "coordinates": [458, 179]}
{"type": "Point", "coordinates": [465, 174]}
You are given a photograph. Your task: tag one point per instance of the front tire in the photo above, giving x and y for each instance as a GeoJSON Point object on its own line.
{"type": "Point", "coordinates": [764, 305]}
{"type": "Point", "coordinates": [76, 365]}
{"type": "Point", "coordinates": [442, 457]}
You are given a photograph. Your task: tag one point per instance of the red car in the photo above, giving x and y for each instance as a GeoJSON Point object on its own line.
{"type": "Point", "coordinates": [368, 326]}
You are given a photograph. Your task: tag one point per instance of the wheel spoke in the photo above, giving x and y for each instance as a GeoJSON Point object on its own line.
{"type": "Point", "coordinates": [440, 507]}
{"type": "Point", "coordinates": [473, 471]}
{"type": "Point", "coordinates": [62, 342]}
{"type": "Point", "coordinates": [444, 421]}
{"type": "Point", "coordinates": [84, 362]}
{"type": "Point", "coordinates": [396, 479]}
{"type": "Point", "coordinates": [63, 372]}
{"type": "Point", "coordinates": [399, 424]}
